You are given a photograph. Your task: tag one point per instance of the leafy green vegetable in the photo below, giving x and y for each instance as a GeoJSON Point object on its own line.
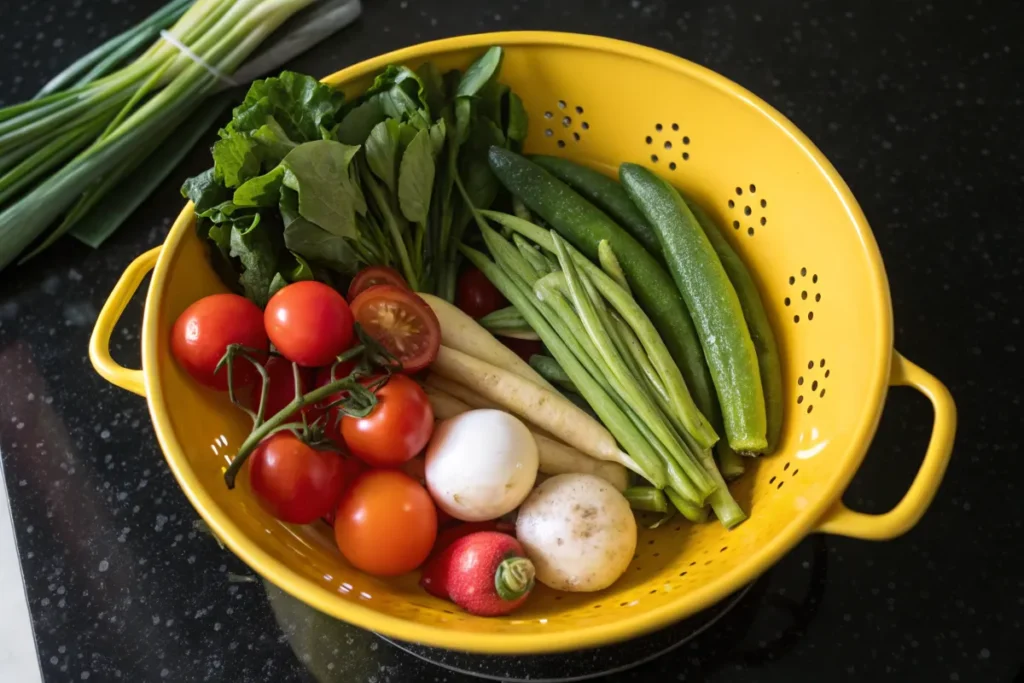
{"type": "Point", "coordinates": [359, 121]}
{"type": "Point", "coordinates": [382, 151]}
{"type": "Point", "coordinates": [416, 178]}
{"type": "Point", "coordinates": [317, 170]}
{"type": "Point", "coordinates": [204, 191]}
{"type": "Point", "coordinates": [263, 190]}
{"type": "Point", "coordinates": [254, 246]}
{"type": "Point", "coordinates": [481, 71]}
{"type": "Point", "coordinates": [300, 105]}
{"type": "Point", "coordinates": [370, 181]}
{"type": "Point", "coordinates": [517, 118]}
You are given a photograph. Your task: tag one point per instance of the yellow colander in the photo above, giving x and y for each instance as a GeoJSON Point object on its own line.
{"type": "Point", "coordinates": [789, 215]}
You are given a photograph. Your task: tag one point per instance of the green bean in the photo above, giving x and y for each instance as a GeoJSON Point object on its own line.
{"type": "Point", "coordinates": [531, 254]}
{"type": "Point", "coordinates": [572, 280]}
{"type": "Point", "coordinates": [646, 463]}
{"type": "Point", "coordinates": [610, 264]}
{"type": "Point", "coordinates": [507, 256]}
{"type": "Point", "coordinates": [646, 498]}
{"type": "Point", "coordinates": [621, 301]}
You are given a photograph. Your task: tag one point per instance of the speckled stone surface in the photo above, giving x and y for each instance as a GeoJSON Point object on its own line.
{"type": "Point", "coordinates": [917, 104]}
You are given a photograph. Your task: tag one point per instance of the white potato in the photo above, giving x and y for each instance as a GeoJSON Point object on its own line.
{"type": "Point", "coordinates": [481, 464]}
{"type": "Point", "coordinates": [579, 531]}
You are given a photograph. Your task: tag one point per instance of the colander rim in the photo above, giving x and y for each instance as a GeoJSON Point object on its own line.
{"type": "Point", "coordinates": [631, 624]}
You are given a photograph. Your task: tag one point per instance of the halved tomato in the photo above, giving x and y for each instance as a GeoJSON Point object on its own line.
{"type": "Point", "coordinates": [402, 322]}
{"type": "Point", "coordinates": [372, 276]}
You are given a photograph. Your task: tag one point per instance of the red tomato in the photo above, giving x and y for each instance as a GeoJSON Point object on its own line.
{"type": "Point", "coordinates": [281, 391]}
{"type": "Point", "coordinates": [309, 323]}
{"type": "Point", "coordinates": [397, 428]}
{"type": "Point", "coordinates": [385, 523]}
{"type": "Point", "coordinates": [524, 348]}
{"type": "Point", "coordinates": [372, 276]}
{"type": "Point", "coordinates": [476, 295]}
{"type": "Point", "coordinates": [402, 322]}
{"type": "Point", "coordinates": [295, 482]}
{"type": "Point", "coordinates": [201, 335]}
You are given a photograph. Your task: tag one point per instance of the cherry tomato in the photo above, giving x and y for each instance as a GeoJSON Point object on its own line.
{"type": "Point", "coordinates": [309, 323]}
{"type": "Point", "coordinates": [385, 523]}
{"type": "Point", "coordinates": [201, 335]}
{"type": "Point", "coordinates": [402, 322]}
{"type": "Point", "coordinates": [524, 348]}
{"type": "Point", "coordinates": [295, 482]}
{"type": "Point", "coordinates": [372, 276]}
{"type": "Point", "coordinates": [476, 295]}
{"type": "Point", "coordinates": [397, 428]}
{"type": "Point", "coordinates": [281, 391]}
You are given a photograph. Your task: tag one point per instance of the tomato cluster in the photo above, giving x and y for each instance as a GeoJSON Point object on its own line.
{"type": "Point", "coordinates": [329, 464]}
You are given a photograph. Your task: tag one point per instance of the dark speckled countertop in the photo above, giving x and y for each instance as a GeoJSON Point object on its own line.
{"type": "Point", "coordinates": [917, 104]}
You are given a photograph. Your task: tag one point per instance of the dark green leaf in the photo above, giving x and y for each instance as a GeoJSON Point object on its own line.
{"type": "Point", "coordinates": [277, 284]}
{"type": "Point", "coordinates": [318, 245]}
{"type": "Point", "coordinates": [204, 191]}
{"type": "Point", "coordinates": [517, 119]}
{"type": "Point", "coordinates": [480, 72]}
{"type": "Point", "coordinates": [416, 178]}
{"type": "Point", "coordinates": [433, 87]}
{"type": "Point", "coordinates": [488, 101]}
{"type": "Point", "coordinates": [437, 136]}
{"type": "Point", "coordinates": [300, 270]}
{"type": "Point", "coordinates": [235, 159]}
{"type": "Point", "coordinates": [463, 117]}
{"type": "Point", "coordinates": [317, 171]}
{"type": "Point", "coordinates": [226, 212]}
{"type": "Point", "coordinates": [273, 143]}
{"type": "Point", "coordinates": [355, 190]}
{"type": "Point", "coordinates": [254, 247]}
{"type": "Point", "coordinates": [263, 190]}
{"type": "Point", "coordinates": [358, 123]}
{"type": "Point", "coordinates": [382, 151]}
{"type": "Point", "coordinates": [300, 104]}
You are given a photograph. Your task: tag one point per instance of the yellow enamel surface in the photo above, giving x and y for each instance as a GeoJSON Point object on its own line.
{"type": "Point", "coordinates": [813, 248]}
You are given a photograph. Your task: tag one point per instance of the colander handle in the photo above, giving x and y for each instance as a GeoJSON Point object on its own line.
{"type": "Point", "coordinates": [99, 343]}
{"type": "Point", "coordinates": [845, 522]}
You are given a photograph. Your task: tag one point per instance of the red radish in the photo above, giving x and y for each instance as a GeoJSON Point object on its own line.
{"type": "Point", "coordinates": [486, 573]}
{"type": "Point", "coordinates": [435, 574]}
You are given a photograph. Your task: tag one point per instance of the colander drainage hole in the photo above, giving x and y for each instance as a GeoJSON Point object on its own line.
{"type": "Point", "coordinates": [682, 573]}
{"type": "Point", "coordinates": [772, 480]}
{"type": "Point", "coordinates": [579, 109]}
{"type": "Point", "coordinates": [561, 104]}
{"type": "Point", "coordinates": [675, 126]}
{"type": "Point", "coordinates": [658, 127]}
{"type": "Point", "coordinates": [649, 139]}
{"type": "Point", "coordinates": [785, 467]}
{"type": "Point", "coordinates": [795, 472]}
{"type": "Point", "coordinates": [780, 485]}
{"type": "Point", "coordinates": [724, 548]}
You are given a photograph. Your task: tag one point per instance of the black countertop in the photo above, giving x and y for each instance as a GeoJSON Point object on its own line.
{"type": "Point", "coordinates": [917, 104]}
